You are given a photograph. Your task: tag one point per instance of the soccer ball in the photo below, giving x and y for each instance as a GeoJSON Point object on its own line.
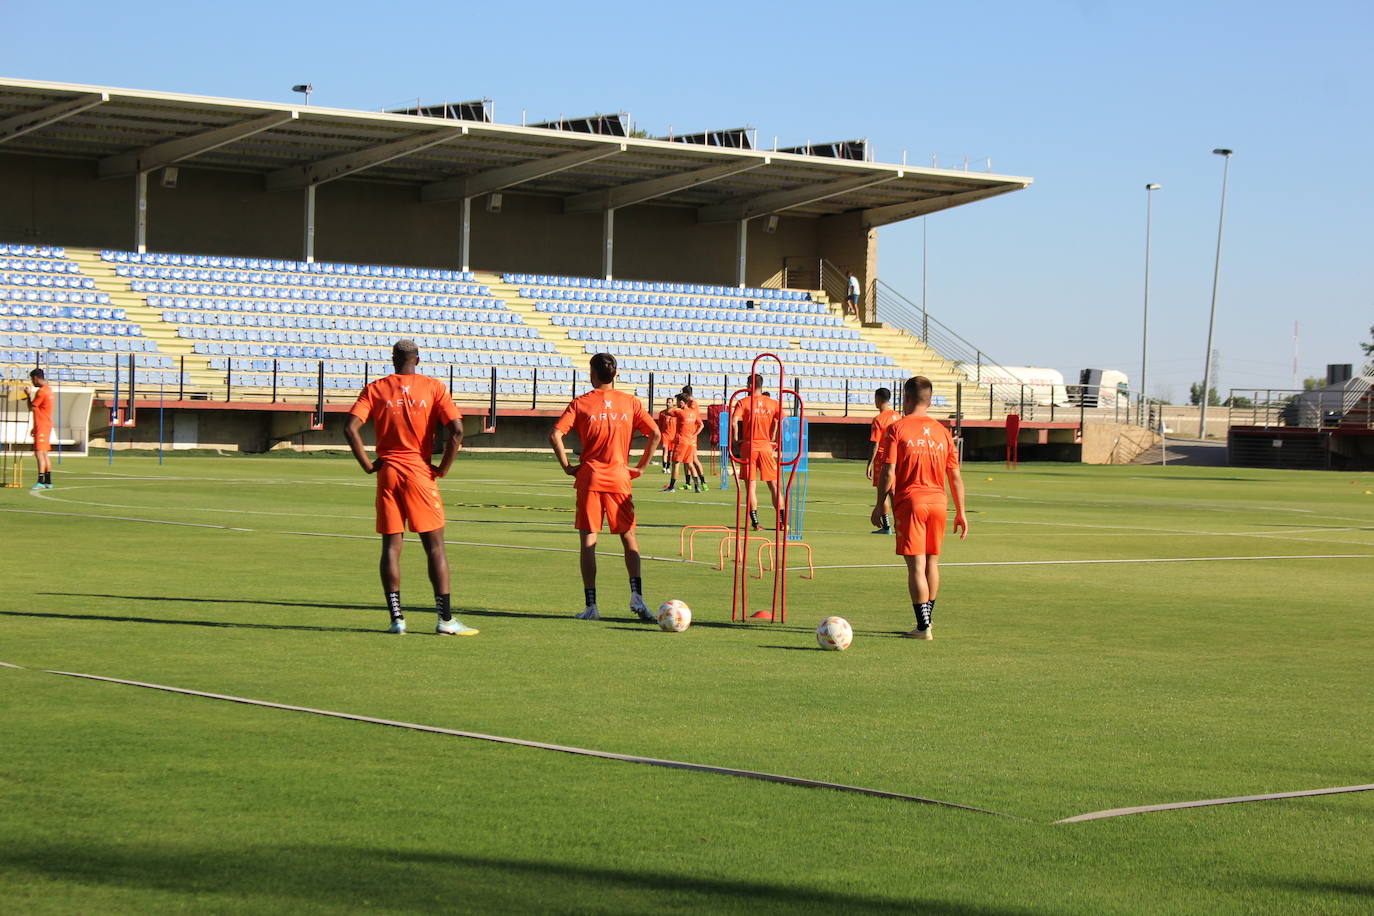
{"type": "Point", "coordinates": [674, 616]}
{"type": "Point", "coordinates": [834, 634]}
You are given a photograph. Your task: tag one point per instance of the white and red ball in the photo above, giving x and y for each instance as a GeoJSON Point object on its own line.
{"type": "Point", "coordinates": [834, 634]}
{"type": "Point", "coordinates": [674, 616]}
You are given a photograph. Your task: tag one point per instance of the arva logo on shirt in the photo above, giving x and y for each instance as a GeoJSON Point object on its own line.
{"type": "Point", "coordinates": [924, 442]}
{"type": "Point", "coordinates": [608, 413]}
{"type": "Point", "coordinates": [406, 400]}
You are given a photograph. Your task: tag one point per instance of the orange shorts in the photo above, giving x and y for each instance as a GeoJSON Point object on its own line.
{"type": "Point", "coordinates": [594, 507]}
{"type": "Point", "coordinates": [42, 440]}
{"type": "Point", "coordinates": [758, 462]}
{"type": "Point", "coordinates": [407, 499]}
{"type": "Point", "coordinates": [685, 450]}
{"type": "Point", "coordinates": [920, 527]}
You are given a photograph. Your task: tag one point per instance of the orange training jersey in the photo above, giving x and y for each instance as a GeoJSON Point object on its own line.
{"type": "Point", "coordinates": [923, 451]}
{"type": "Point", "coordinates": [404, 410]}
{"type": "Point", "coordinates": [667, 425]}
{"type": "Point", "coordinates": [40, 406]}
{"type": "Point", "coordinates": [885, 418]}
{"type": "Point", "coordinates": [758, 423]}
{"type": "Point", "coordinates": [688, 421]}
{"type": "Point", "coordinates": [605, 419]}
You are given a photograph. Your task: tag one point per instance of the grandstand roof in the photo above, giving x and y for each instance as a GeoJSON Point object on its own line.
{"type": "Point", "coordinates": [130, 131]}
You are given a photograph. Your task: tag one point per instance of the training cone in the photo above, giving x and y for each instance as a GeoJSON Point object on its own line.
{"type": "Point", "coordinates": [762, 615]}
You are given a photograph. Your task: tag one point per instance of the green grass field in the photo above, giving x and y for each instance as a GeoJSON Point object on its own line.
{"type": "Point", "coordinates": [1052, 690]}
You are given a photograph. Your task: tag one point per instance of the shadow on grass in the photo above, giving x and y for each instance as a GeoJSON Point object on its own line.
{"type": "Point", "coordinates": [421, 880]}
{"type": "Point", "coordinates": [314, 605]}
{"type": "Point", "coordinates": [107, 618]}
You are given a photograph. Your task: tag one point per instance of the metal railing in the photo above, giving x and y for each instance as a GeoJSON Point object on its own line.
{"type": "Point", "coordinates": [1346, 406]}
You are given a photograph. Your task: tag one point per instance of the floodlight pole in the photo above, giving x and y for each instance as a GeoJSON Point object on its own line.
{"type": "Point", "coordinates": [465, 243]}
{"type": "Point", "coordinates": [1145, 315]}
{"type": "Point", "coordinates": [141, 212]}
{"type": "Point", "coordinates": [608, 239]}
{"type": "Point", "coordinates": [1216, 275]}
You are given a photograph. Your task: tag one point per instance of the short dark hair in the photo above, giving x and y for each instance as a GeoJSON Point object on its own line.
{"type": "Point", "coordinates": [403, 351]}
{"type": "Point", "coordinates": [603, 368]}
{"type": "Point", "coordinates": [37, 373]}
{"type": "Point", "coordinates": [918, 388]}
{"type": "Point", "coordinates": [883, 394]}
{"type": "Point", "coordinates": [687, 390]}
{"type": "Point", "coordinates": [683, 398]}
{"type": "Point", "coordinates": [755, 381]}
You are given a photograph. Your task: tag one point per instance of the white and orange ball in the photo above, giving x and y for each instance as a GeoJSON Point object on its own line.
{"type": "Point", "coordinates": [674, 616]}
{"type": "Point", "coordinates": [834, 634]}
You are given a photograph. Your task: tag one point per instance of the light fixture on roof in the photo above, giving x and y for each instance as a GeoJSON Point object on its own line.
{"type": "Point", "coordinates": [304, 89]}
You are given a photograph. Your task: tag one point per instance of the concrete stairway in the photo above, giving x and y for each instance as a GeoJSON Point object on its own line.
{"type": "Point", "coordinates": [199, 378]}
{"type": "Point", "coordinates": [509, 295]}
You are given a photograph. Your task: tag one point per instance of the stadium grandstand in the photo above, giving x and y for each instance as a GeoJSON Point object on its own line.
{"type": "Point", "coordinates": [257, 252]}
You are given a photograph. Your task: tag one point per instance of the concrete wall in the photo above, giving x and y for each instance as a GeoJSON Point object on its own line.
{"type": "Point", "coordinates": [1115, 443]}
{"type": "Point", "coordinates": [1182, 421]}
{"type": "Point", "coordinates": [62, 202]}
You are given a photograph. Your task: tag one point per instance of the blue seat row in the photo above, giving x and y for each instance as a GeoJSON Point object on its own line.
{"type": "Point", "coordinates": [305, 293]}
{"type": "Point", "coordinates": [706, 343]}
{"type": "Point", "coordinates": [528, 341]}
{"type": "Point", "coordinates": [364, 350]}
{"type": "Point", "coordinates": [54, 342]}
{"type": "Point", "coordinates": [46, 281]}
{"type": "Point", "coordinates": [92, 313]}
{"type": "Point", "coordinates": [741, 316]}
{"type": "Point", "coordinates": [702, 327]}
{"type": "Point", "coordinates": [28, 294]}
{"type": "Point", "coordinates": [19, 249]}
{"type": "Point", "coordinates": [467, 310]}
{"type": "Point", "coordinates": [89, 359]}
{"type": "Point", "coordinates": [28, 265]}
{"type": "Point", "coordinates": [79, 328]}
{"type": "Point", "coordinates": [308, 267]}
{"type": "Point", "coordinates": [305, 322]}
{"type": "Point", "coordinates": [694, 289]}
{"type": "Point", "coordinates": [318, 281]}
{"type": "Point", "coordinates": [577, 295]}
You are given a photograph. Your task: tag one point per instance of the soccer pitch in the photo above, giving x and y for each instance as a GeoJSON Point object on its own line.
{"type": "Point", "coordinates": [1061, 682]}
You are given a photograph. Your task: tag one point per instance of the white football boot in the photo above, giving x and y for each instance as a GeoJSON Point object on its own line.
{"type": "Point", "coordinates": [454, 627]}
{"type": "Point", "coordinates": [591, 613]}
{"type": "Point", "coordinates": [640, 609]}
{"type": "Point", "coordinates": [397, 626]}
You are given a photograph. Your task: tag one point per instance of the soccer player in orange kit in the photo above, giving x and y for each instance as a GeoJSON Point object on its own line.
{"type": "Point", "coordinates": [404, 408]}
{"type": "Point", "coordinates": [882, 399]}
{"type": "Point", "coordinates": [605, 420]}
{"type": "Point", "coordinates": [756, 419]}
{"type": "Point", "coordinates": [667, 427]}
{"type": "Point", "coordinates": [40, 408]}
{"type": "Point", "coordinates": [684, 449]}
{"type": "Point", "coordinates": [918, 453]}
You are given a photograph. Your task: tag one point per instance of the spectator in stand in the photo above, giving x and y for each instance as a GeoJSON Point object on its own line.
{"type": "Point", "coordinates": [852, 294]}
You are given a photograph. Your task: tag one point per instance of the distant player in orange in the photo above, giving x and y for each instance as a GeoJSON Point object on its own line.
{"type": "Point", "coordinates": [39, 395]}
{"type": "Point", "coordinates": [687, 424]}
{"type": "Point", "coordinates": [756, 429]}
{"type": "Point", "coordinates": [918, 454]}
{"type": "Point", "coordinates": [882, 399]}
{"type": "Point", "coordinates": [605, 420]}
{"type": "Point", "coordinates": [405, 408]}
{"type": "Point", "coordinates": [667, 427]}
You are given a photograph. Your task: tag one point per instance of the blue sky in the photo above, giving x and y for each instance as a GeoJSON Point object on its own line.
{"type": "Point", "coordinates": [1092, 100]}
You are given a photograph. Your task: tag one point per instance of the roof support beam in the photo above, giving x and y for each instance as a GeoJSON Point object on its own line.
{"type": "Point", "coordinates": [336, 167]}
{"type": "Point", "coordinates": [480, 183]}
{"type": "Point", "coordinates": [174, 151]}
{"type": "Point", "coordinates": [19, 125]}
{"type": "Point", "coordinates": [775, 201]}
{"type": "Point", "coordinates": [639, 191]}
{"type": "Point", "coordinates": [895, 213]}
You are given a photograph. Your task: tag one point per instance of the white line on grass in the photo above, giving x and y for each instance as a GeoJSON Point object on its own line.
{"type": "Point", "coordinates": [1329, 556]}
{"type": "Point", "coordinates": [1206, 803]}
{"type": "Point", "coordinates": [539, 745]}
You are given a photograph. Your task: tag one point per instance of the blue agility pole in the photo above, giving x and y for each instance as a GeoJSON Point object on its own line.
{"type": "Point", "coordinates": [795, 440]}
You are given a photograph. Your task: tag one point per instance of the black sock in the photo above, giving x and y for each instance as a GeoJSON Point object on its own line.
{"type": "Point", "coordinates": [754, 517]}
{"type": "Point", "coordinates": [591, 595]}
{"type": "Point", "coordinates": [393, 605]}
{"type": "Point", "coordinates": [922, 615]}
{"type": "Point", "coordinates": [884, 524]}
{"type": "Point", "coordinates": [637, 585]}
{"type": "Point", "coordinates": [441, 606]}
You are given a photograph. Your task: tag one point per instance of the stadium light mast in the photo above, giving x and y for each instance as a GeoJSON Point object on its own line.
{"type": "Point", "coordinates": [304, 89]}
{"type": "Point", "coordinates": [1145, 315]}
{"type": "Point", "coordinates": [1216, 275]}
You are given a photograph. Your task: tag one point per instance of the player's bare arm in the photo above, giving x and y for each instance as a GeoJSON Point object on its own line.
{"type": "Point", "coordinates": [455, 442]}
{"type": "Point", "coordinates": [355, 443]}
{"type": "Point", "coordinates": [885, 479]}
{"type": "Point", "coordinates": [560, 451]}
{"type": "Point", "coordinates": [868, 472]}
{"type": "Point", "coordinates": [654, 438]}
{"type": "Point", "coordinates": [956, 487]}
